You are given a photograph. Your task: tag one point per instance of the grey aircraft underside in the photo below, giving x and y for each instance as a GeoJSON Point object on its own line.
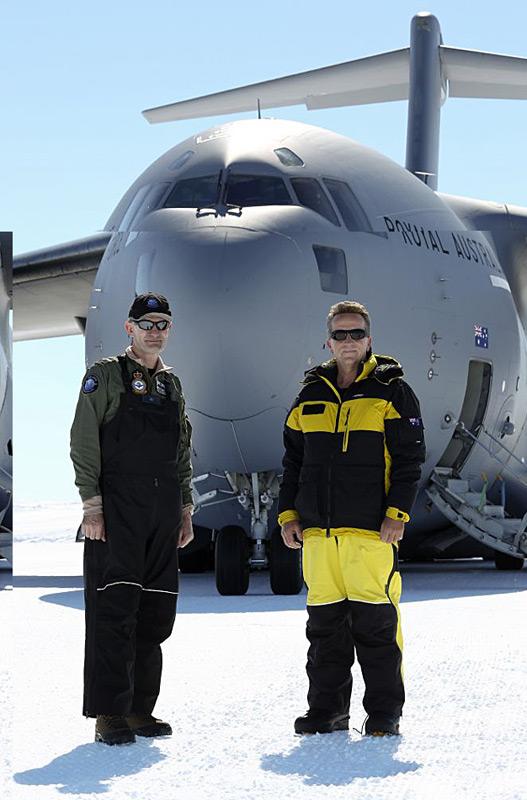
{"type": "Point", "coordinates": [254, 228]}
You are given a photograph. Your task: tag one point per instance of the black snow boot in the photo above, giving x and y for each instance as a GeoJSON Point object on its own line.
{"type": "Point", "coordinates": [147, 725]}
{"type": "Point", "coordinates": [113, 729]}
{"type": "Point", "coordinates": [320, 721]}
{"type": "Point", "coordinates": [381, 726]}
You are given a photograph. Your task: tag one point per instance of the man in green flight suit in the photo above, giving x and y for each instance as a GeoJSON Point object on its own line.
{"type": "Point", "coordinates": [130, 447]}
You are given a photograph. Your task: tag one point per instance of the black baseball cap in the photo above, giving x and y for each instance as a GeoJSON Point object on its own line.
{"type": "Point", "coordinates": [150, 303]}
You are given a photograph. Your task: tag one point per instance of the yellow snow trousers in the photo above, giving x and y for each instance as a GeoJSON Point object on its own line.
{"type": "Point", "coordinates": [354, 588]}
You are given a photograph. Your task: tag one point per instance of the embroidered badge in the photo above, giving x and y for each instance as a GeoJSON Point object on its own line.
{"type": "Point", "coordinates": [138, 383]}
{"type": "Point", "coordinates": [160, 387]}
{"type": "Point", "coordinates": [152, 302]}
{"type": "Point", "coordinates": [90, 384]}
{"type": "Point", "coordinates": [415, 421]}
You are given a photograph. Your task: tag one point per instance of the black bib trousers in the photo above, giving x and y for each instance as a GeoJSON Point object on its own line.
{"type": "Point", "coordinates": [131, 580]}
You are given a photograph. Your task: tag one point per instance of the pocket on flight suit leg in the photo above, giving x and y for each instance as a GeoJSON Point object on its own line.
{"type": "Point", "coordinates": [368, 567]}
{"type": "Point", "coordinates": [322, 573]}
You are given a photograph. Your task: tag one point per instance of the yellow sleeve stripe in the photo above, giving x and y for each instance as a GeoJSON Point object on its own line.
{"type": "Point", "coordinates": [395, 513]}
{"type": "Point", "coordinates": [293, 420]}
{"type": "Point", "coordinates": [287, 516]}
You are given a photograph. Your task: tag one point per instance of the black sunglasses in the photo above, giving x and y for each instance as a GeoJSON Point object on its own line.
{"type": "Point", "coordinates": [354, 333]}
{"type": "Point", "coordinates": [148, 324]}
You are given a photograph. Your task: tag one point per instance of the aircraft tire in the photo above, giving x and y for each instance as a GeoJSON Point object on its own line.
{"type": "Point", "coordinates": [232, 561]}
{"type": "Point", "coordinates": [504, 561]}
{"type": "Point", "coordinates": [285, 566]}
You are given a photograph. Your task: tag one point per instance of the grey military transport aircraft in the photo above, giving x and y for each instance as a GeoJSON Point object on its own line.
{"type": "Point", "coordinates": [252, 229]}
{"type": "Point", "coordinates": [6, 416]}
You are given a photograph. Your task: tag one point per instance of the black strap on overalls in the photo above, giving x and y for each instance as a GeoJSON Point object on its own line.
{"type": "Point", "coordinates": [142, 437]}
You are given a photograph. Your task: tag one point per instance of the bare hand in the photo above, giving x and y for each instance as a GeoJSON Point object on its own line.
{"type": "Point", "coordinates": [186, 533]}
{"type": "Point", "coordinates": [392, 530]}
{"type": "Point", "coordinates": [92, 526]}
{"type": "Point", "coordinates": [292, 534]}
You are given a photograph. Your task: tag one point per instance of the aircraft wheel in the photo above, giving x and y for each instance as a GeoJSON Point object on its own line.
{"type": "Point", "coordinates": [285, 566]}
{"type": "Point", "coordinates": [232, 561]}
{"type": "Point", "coordinates": [506, 562]}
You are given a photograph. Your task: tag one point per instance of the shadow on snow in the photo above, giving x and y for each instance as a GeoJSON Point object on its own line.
{"type": "Point", "coordinates": [90, 768]}
{"type": "Point", "coordinates": [340, 761]}
{"type": "Point", "coordinates": [421, 582]}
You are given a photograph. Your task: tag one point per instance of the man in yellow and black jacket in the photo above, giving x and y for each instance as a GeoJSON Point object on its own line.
{"type": "Point", "coordinates": [354, 446]}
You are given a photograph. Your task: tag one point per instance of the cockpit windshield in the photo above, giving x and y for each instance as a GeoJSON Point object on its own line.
{"type": "Point", "coordinates": [194, 193]}
{"type": "Point", "coordinates": [230, 190]}
{"type": "Point", "coordinates": [256, 190]}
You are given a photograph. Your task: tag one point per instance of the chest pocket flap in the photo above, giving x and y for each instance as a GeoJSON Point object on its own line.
{"type": "Point", "coordinates": [317, 417]}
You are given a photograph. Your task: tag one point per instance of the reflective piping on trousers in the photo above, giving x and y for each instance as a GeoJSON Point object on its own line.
{"type": "Point", "coordinates": [331, 602]}
{"type": "Point", "coordinates": [392, 573]}
{"type": "Point", "coordinates": [370, 602]}
{"type": "Point", "coordinates": [131, 583]}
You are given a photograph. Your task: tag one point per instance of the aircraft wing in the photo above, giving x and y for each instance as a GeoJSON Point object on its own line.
{"type": "Point", "coordinates": [374, 79]}
{"type": "Point", "coordinates": [52, 287]}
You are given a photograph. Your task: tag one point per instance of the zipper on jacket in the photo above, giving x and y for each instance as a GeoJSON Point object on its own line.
{"type": "Point", "coordinates": [346, 433]}
{"type": "Point", "coordinates": [156, 482]}
{"type": "Point", "coordinates": [328, 534]}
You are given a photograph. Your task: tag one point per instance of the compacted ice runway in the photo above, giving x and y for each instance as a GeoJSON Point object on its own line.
{"type": "Point", "coordinates": [234, 681]}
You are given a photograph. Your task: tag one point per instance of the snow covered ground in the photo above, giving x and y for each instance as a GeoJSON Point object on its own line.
{"type": "Point", "coordinates": [234, 681]}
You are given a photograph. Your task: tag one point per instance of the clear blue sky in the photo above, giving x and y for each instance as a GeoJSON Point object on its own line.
{"type": "Point", "coordinates": [74, 139]}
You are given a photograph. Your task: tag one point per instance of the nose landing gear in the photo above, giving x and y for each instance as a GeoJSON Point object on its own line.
{"type": "Point", "coordinates": [236, 553]}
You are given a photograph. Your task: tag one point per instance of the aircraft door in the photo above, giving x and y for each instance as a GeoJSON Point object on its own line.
{"type": "Point", "coordinates": [472, 415]}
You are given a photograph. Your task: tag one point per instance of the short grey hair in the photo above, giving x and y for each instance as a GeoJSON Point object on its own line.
{"type": "Point", "coordinates": [349, 307]}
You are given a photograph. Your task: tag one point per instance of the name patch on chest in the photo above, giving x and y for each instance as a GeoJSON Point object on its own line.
{"type": "Point", "coordinates": [161, 387]}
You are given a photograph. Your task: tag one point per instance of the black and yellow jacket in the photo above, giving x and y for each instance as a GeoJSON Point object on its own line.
{"type": "Point", "coordinates": [352, 456]}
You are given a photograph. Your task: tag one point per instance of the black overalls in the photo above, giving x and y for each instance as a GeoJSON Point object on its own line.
{"type": "Point", "coordinates": [131, 580]}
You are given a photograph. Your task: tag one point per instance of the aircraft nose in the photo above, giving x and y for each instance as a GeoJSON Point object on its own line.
{"type": "Point", "coordinates": [239, 303]}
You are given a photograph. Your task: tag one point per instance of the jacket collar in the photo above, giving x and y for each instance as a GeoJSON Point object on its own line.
{"type": "Point", "coordinates": [383, 368]}
{"type": "Point", "coordinates": [160, 366]}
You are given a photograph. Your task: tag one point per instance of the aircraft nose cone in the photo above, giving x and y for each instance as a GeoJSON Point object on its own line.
{"type": "Point", "coordinates": [239, 312]}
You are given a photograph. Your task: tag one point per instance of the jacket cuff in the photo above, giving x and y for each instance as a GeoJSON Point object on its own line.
{"type": "Point", "coordinates": [92, 505]}
{"type": "Point", "coordinates": [396, 513]}
{"type": "Point", "coordinates": [186, 498]}
{"type": "Point", "coordinates": [287, 516]}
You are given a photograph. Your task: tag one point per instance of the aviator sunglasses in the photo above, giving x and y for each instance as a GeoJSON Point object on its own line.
{"type": "Point", "coordinates": [148, 324]}
{"type": "Point", "coordinates": [354, 333]}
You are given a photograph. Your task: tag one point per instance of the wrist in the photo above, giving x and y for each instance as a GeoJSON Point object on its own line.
{"type": "Point", "coordinates": [396, 514]}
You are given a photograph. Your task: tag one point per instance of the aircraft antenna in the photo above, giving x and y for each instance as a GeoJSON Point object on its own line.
{"type": "Point", "coordinates": [259, 108]}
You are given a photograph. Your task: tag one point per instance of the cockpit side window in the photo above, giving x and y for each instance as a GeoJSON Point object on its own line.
{"type": "Point", "coordinates": [332, 269]}
{"type": "Point", "coordinates": [147, 199]}
{"type": "Point", "coordinates": [199, 192]}
{"type": "Point", "coordinates": [311, 194]}
{"type": "Point", "coordinates": [352, 212]}
{"type": "Point", "coordinates": [256, 190]}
